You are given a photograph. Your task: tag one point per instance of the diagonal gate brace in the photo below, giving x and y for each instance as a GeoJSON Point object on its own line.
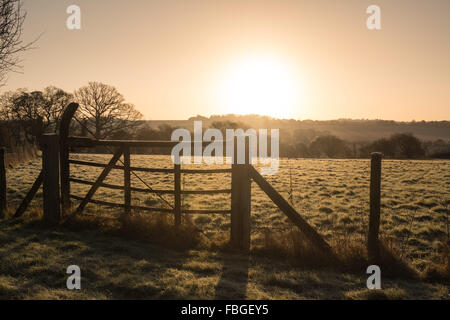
{"type": "Point", "coordinates": [99, 181]}
{"type": "Point", "coordinates": [289, 211]}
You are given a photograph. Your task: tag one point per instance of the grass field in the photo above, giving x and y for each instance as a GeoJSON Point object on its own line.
{"type": "Point", "coordinates": [33, 262]}
{"type": "Point", "coordinates": [332, 195]}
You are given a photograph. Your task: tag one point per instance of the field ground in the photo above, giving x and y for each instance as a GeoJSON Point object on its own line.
{"type": "Point", "coordinates": [33, 262]}
{"type": "Point", "coordinates": [333, 195]}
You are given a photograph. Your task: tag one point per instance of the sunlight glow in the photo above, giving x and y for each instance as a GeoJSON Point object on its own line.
{"type": "Point", "coordinates": [260, 85]}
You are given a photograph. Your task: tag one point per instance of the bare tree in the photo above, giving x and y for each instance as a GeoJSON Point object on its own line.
{"type": "Point", "coordinates": [105, 110]}
{"type": "Point", "coordinates": [12, 17]}
{"type": "Point", "coordinates": [55, 100]}
{"type": "Point", "coordinates": [29, 114]}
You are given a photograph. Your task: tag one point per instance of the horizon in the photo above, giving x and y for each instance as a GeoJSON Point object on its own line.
{"type": "Point", "coordinates": [288, 60]}
{"type": "Point", "coordinates": [189, 118]}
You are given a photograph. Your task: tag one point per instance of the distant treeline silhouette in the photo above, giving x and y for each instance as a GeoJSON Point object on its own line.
{"type": "Point", "coordinates": [104, 114]}
{"type": "Point", "coordinates": [398, 146]}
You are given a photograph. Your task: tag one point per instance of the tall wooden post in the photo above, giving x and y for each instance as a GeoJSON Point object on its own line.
{"type": "Point", "coordinates": [240, 199]}
{"type": "Point", "coordinates": [64, 126]}
{"type": "Point", "coordinates": [3, 205]}
{"type": "Point", "coordinates": [177, 181]}
{"type": "Point", "coordinates": [50, 168]}
{"type": "Point", "coordinates": [127, 180]}
{"type": "Point", "coordinates": [374, 219]}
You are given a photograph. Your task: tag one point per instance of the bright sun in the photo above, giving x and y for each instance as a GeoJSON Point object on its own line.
{"type": "Point", "coordinates": [260, 85]}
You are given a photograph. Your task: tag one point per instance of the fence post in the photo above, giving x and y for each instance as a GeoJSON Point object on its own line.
{"type": "Point", "coordinates": [177, 181]}
{"type": "Point", "coordinates": [50, 168]}
{"type": "Point", "coordinates": [127, 180]}
{"type": "Point", "coordinates": [374, 218]}
{"type": "Point", "coordinates": [240, 199]}
{"type": "Point", "coordinates": [64, 126]}
{"type": "Point", "coordinates": [3, 205]}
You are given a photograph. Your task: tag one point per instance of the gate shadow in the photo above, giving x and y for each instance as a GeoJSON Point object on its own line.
{"type": "Point", "coordinates": [234, 278]}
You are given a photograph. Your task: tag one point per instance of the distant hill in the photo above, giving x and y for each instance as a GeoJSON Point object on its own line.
{"type": "Point", "coordinates": [347, 129]}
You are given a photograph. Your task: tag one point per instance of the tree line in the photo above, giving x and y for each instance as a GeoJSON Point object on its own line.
{"type": "Point", "coordinates": [105, 114]}
{"type": "Point", "coordinates": [397, 146]}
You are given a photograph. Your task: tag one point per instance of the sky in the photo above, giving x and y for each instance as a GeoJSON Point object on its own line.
{"type": "Point", "coordinates": [313, 59]}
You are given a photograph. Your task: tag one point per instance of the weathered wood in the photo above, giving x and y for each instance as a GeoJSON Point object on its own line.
{"type": "Point", "coordinates": [116, 187]}
{"type": "Point", "coordinates": [88, 142]}
{"type": "Point", "coordinates": [290, 212]}
{"type": "Point", "coordinates": [103, 165]}
{"type": "Point", "coordinates": [64, 155]}
{"type": "Point", "coordinates": [127, 181]}
{"type": "Point", "coordinates": [30, 195]}
{"type": "Point", "coordinates": [374, 218]}
{"type": "Point", "coordinates": [142, 208]}
{"type": "Point", "coordinates": [205, 171]}
{"type": "Point", "coordinates": [50, 168]}
{"type": "Point", "coordinates": [146, 190]}
{"type": "Point", "coordinates": [99, 180]}
{"type": "Point", "coordinates": [240, 200]}
{"type": "Point", "coordinates": [205, 211]}
{"type": "Point", "coordinates": [235, 230]}
{"type": "Point", "coordinates": [177, 182]}
{"type": "Point", "coordinates": [3, 204]}
{"type": "Point", "coordinates": [218, 191]}
{"type": "Point", "coordinates": [152, 170]}
{"type": "Point", "coordinates": [80, 142]}
{"type": "Point", "coordinates": [121, 205]}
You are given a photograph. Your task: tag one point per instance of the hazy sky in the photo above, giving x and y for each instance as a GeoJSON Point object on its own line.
{"type": "Point", "coordinates": [171, 57]}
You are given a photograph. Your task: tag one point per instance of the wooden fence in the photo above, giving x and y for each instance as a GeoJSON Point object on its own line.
{"type": "Point", "coordinates": [56, 180]}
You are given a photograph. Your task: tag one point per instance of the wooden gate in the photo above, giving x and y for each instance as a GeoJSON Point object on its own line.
{"type": "Point", "coordinates": [55, 177]}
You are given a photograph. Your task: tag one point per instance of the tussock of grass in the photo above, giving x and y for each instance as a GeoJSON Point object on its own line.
{"type": "Point", "coordinates": [392, 263]}
{"type": "Point", "coordinates": [21, 154]}
{"type": "Point", "coordinates": [351, 252]}
{"type": "Point", "coordinates": [152, 228]}
{"type": "Point", "coordinates": [388, 294]}
{"type": "Point", "coordinates": [160, 229]}
{"type": "Point", "coordinates": [292, 245]}
{"type": "Point", "coordinates": [439, 272]}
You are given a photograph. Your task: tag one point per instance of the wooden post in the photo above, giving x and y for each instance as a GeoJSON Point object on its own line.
{"type": "Point", "coordinates": [374, 219]}
{"type": "Point", "coordinates": [3, 205]}
{"type": "Point", "coordinates": [127, 180]}
{"type": "Point", "coordinates": [64, 156]}
{"type": "Point", "coordinates": [240, 199]}
{"type": "Point", "coordinates": [50, 168]}
{"type": "Point", "coordinates": [177, 182]}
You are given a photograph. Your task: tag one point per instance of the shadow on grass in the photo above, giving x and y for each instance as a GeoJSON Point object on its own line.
{"type": "Point", "coordinates": [34, 258]}
{"type": "Point", "coordinates": [234, 278]}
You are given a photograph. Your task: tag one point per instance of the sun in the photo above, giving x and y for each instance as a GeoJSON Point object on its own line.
{"type": "Point", "coordinates": [260, 85]}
